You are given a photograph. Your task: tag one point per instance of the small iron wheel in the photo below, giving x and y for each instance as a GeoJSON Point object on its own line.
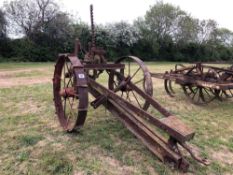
{"type": "Point", "coordinates": [199, 95]}
{"type": "Point", "coordinates": [139, 75]}
{"type": "Point", "coordinates": [226, 77]}
{"type": "Point", "coordinates": [68, 98]}
{"type": "Point", "coordinates": [224, 94]}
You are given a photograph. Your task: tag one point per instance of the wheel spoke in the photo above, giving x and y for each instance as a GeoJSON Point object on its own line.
{"type": "Point", "coordinates": [225, 93]}
{"type": "Point", "coordinates": [67, 67]}
{"type": "Point", "coordinates": [136, 99]}
{"type": "Point", "coordinates": [64, 72]}
{"type": "Point", "coordinates": [198, 97]}
{"type": "Point", "coordinates": [115, 83]}
{"type": "Point", "coordinates": [195, 93]}
{"type": "Point", "coordinates": [121, 94]}
{"type": "Point", "coordinates": [189, 91]}
{"type": "Point", "coordinates": [127, 95]}
{"type": "Point", "coordinates": [135, 73]}
{"type": "Point", "coordinates": [202, 95]}
{"type": "Point", "coordinates": [138, 81]}
{"type": "Point", "coordinates": [129, 68]}
{"type": "Point", "coordinates": [68, 83]}
{"type": "Point", "coordinates": [230, 92]}
{"type": "Point", "coordinates": [195, 90]}
{"type": "Point", "coordinates": [71, 109]}
{"type": "Point", "coordinates": [65, 107]}
{"type": "Point", "coordinates": [207, 92]}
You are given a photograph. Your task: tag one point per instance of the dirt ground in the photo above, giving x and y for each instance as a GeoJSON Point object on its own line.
{"type": "Point", "coordinates": [10, 78]}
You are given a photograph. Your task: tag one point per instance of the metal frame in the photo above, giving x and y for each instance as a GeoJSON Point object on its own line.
{"type": "Point", "coordinates": [201, 83]}
{"type": "Point", "coordinates": [73, 82]}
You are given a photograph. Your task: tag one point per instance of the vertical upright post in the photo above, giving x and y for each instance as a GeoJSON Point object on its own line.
{"type": "Point", "coordinates": [92, 27]}
{"type": "Point", "coordinates": [77, 47]}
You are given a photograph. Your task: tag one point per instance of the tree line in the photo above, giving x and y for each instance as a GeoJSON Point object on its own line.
{"type": "Point", "coordinates": [40, 30]}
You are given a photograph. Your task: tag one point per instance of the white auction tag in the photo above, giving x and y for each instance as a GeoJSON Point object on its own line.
{"type": "Point", "coordinates": [81, 76]}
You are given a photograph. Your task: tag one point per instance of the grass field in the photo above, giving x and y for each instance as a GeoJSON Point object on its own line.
{"type": "Point", "coordinates": [32, 142]}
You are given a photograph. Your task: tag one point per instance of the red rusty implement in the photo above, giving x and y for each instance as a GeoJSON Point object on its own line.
{"type": "Point", "coordinates": [127, 96]}
{"type": "Point", "coordinates": [200, 83]}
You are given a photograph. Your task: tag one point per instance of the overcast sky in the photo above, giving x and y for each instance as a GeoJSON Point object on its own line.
{"type": "Point", "coordinates": [107, 11]}
{"type": "Point", "coordinates": [115, 10]}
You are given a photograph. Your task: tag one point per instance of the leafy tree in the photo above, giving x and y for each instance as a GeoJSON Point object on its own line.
{"type": "Point", "coordinates": [56, 34]}
{"type": "Point", "coordinates": [2, 25]}
{"type": "Point", "coordinates": [165, 33]}
{"type": "Point", "coordinates": [207, 32]}
{"type": "Point", "coordinates": [83, 33]}
{"type": "Point", "coordinates": [3, 35]}
{"type": "Point", "coordinates": [123, 36]}
{"type": "Point", "coordinates": [224, 37]}
{"type": "Point", "coordinates": [162, 20]}
{"type": "Point", "coordinates": [28, 16]}
{"type": "Point", "coordinates": [187, 30]}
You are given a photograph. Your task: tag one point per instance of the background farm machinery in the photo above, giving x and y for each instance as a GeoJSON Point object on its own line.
{"type": "Point", "coordinates": [127, 95]}
{"type": "Point", "coordinates": [200, 83]}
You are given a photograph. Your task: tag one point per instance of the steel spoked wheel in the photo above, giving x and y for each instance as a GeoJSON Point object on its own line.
{"type": "Point", "coordinates": [225, 94]}
{"type": "Point", "coordinates": [139, 75]}
{"type": "Point", "coordinates": [67, 96]}
{"type": "Point", "coordinates": [199, 95]}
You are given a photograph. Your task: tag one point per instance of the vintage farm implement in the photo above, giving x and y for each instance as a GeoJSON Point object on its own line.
{"type": "Point", "coordinates": [127, 95]}
{"type": "Point", "coordinates": [200, 83]}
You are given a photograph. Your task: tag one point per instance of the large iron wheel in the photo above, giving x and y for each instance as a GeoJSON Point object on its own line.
{"type": "Point", "coordinates": [139, 75]}
{"type": "Point", "coordinates": [69, 99]}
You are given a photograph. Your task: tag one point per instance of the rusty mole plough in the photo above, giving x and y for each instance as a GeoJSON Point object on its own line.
{"type": "Point", "coordinates": [125, 96]}
{"type": "Point", "coordinates": [201, 83]}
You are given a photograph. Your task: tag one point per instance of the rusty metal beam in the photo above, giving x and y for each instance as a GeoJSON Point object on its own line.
{"type": "Point", "coordinates": [155, 143]}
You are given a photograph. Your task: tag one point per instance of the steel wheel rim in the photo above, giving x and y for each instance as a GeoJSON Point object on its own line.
{"type": "Point", "coordinates": [144, 82]}
{"type": "Point", "coordinates": [67, 108]}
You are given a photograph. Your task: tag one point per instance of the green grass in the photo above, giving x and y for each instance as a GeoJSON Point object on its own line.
{"type": "Point", "coordinates": [32, 142]}
{"type": "Point", "coordinates": [15, 65]}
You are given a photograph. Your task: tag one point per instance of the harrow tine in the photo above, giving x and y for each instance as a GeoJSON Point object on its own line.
{"type": "Point", "coordinates": [168, 88]}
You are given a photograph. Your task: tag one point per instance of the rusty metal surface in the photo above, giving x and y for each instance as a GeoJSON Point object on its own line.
{"type": "Point", "coordinates": [104, 66]}
{"type": "Point", "coordinates": [146, 79]}
{"type": "Point", "coordinates": [81, 75]}
{"type": "Point", "coordinates": [62, 101]}
{"type": "Point", "coordinates": [200, 83]}
{"type": "Point", "coordinates": [150, 138]}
